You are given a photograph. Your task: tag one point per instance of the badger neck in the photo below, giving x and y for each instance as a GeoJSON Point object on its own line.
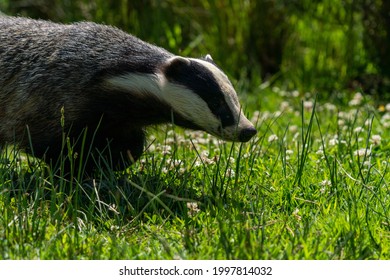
{"type": "Point", "coordinates": [137, 97]}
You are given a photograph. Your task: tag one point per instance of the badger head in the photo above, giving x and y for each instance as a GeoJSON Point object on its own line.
{"type": "Point", "coordinates": [202, 97]}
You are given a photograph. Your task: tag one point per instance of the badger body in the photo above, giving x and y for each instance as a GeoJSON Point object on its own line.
{"type": "Point", "coordinates": [100, 82]}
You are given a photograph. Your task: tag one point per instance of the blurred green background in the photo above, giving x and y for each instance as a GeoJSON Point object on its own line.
{"type": "Point", "coordinates": [325, 46]}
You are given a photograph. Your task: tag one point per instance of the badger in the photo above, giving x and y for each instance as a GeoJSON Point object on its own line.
{"type": "Point", "coordinates": [104, 87]}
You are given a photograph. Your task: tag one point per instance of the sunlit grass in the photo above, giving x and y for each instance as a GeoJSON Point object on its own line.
{"type": "Point", "coordinates": [313, 184]}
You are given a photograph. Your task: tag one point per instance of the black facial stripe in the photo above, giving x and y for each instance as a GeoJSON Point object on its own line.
{"type": "Point", "coordinates": [202, 82]}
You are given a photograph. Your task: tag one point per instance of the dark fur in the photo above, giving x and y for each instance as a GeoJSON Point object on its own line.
{"type": "Point", "coordinates": [46, 66]}
{"type": "Point", "coordinates": [97, 85]}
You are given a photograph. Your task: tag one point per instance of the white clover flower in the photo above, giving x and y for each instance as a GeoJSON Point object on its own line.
{"type": "Point", "coordinates": [277, 114]}
{"type": "Point", "coordinates": [295, 93]}
{"type": "Point", "coordinates": [295, 214]}
{"type": "Point", "coordinates": [176, 162]}
{"type": "Point", "coordinates": [193, 208]}
{"type": "Point", "coordinates": [230, 172]}
{"type": "Point", "coordinates": [293, 128]}
{"type": "Point", "coordinates": [203, 141]}
{"type": "Point", "coordinates": [368, 123]}
{"type": "Point", "coordinates": [264, 116]}
{"type": "Point", "coordinates": [308, 105]}
{"type": "Point", "coordinates": [184, 142]}
{"type": "Point", "coordinates": [170, 140]}
{"type": "Point", "coordinates": [362, 152]}
{"type": "Point", "coordinates": [330, 107]}
{"type": "Point", "coordinates": [255, 117]}
{"type": "Point", "coordinates": [387, 107]}
{"type": "Point", "coordinates": [166, 149]}
{"type": "Point", "coordinates": [151, 148]}
{"type": "Point", "coordinates": [282, 93]}
{"type": "Point", "coordinates": [356, 100]}
{"type": "Point", "coordinates": [273, 138]}
{"type": "Point", "coordinates": [289, 152]}
{"type": "Point", "coordinates": [385, 117]}
{"type": "Point", "coordinates": [231, 160]}
{"type": "Point", "coordinates": [333, 141]}
{"type": "Point", "coordinates": [376, 139]}
{"type": "Point", "coordinates": [358, 129]}
{"type": "Point", "coordinates": [367, 163]}
{"type": "Point", "coordinates": [198, 163]}
{"type": "Point", "coordinates": [325, 183]}
{"type": "Point", "coordinates": [205, 154]}
{"type": "Point", "coordinates": [295, 137]}
{"type": "Point", "coordinates": [285, 106]}
{"type": "Point", "coordinates": [182, 170]}
{"type": "Point", "coordinates": [205, 159]}
{"type": "Point", "coordinates": [342, 115]}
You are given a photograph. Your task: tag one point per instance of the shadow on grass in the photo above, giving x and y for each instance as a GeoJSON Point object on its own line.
{"type": "Point", "coordinates": [123, 196]}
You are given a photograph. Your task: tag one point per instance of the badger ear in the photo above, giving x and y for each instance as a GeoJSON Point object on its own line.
{"type": "Point", "coordinates": [208, 58]}
{"type": "Point", "coordinates": [176, 65]}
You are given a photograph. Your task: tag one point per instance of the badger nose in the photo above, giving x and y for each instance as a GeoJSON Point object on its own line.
{"type": "Point", "coordinates": [246, 134]}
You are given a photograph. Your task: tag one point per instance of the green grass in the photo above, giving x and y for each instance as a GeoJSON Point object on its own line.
{"type": "Point", "coordinates": [313, 184]}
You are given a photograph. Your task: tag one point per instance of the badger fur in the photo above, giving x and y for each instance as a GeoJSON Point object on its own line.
{"type": "Point", "coordinates": [98, 81]}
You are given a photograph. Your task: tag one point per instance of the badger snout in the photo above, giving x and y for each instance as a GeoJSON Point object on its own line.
{"type": "Point", "coordinates": [246, 134]}
{"type": "Point", "coordinates": [237, 134]}
{"type": "Point", "coordinates": [243, 132]}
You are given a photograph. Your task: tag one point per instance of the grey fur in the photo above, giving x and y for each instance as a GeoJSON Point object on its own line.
{"type": "Point", "coordinates": [45, 67]}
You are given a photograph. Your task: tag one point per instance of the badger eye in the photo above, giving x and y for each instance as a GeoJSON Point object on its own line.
{"type": "Point", "coordinates": [222, 111]}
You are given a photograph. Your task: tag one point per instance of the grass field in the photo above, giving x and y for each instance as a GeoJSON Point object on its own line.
{"type": "Point", "coordinates": [313, 184]}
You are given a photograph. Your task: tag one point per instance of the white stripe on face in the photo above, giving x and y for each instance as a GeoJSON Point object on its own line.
{"type": "Point", "coordinates": [181, 99]}
{"type": "Point", "coordinates": [186, 102]}
{"type": "Point", "coordinates": [190, 106]}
